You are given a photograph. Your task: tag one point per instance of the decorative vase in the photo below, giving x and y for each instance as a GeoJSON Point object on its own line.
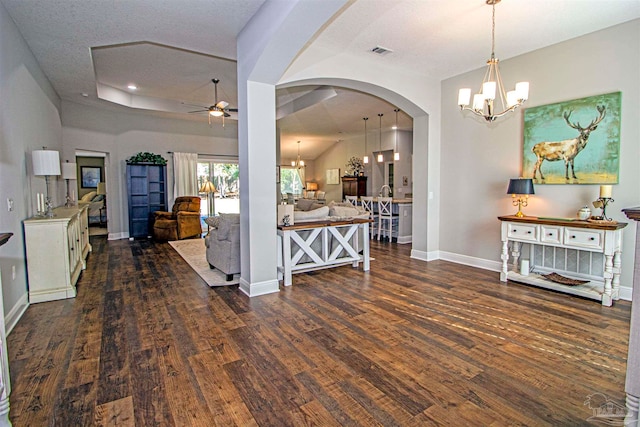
{"type": "Point", "coordinates": [584, 213]}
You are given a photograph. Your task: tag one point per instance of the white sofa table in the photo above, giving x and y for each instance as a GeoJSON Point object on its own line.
{"type": "Point", "coordinates": [565, 246]}
{"type": "Point", "coordinates": [315, 245]}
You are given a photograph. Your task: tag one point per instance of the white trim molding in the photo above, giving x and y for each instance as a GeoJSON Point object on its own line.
{"type": "Point", "coordinates": [260, 288]}
{"type": "Point", "coordinates": [16, 312]}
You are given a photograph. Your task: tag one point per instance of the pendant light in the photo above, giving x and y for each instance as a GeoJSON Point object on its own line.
{"type": "Point", "coordinates": [380, 156]}
{"type": "Point", "coordinates": [298, 163]}
{"type": "Point", "coordinates": [396, 154]}
{"type": "Point", "coordinates": [366, 152]}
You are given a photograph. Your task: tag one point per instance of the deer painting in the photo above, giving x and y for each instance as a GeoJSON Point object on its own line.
{"type": "Point", "coordinates": [568, 149]}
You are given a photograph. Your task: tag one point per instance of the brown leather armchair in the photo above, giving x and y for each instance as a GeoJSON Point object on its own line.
{"type": "Point", "coordinates": [183, 222]}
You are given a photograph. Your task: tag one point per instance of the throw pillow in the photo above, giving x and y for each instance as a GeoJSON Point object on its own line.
{"type": "Point", "coordinates": [343, 211]}
{"type": "Point", "coordinates": [98, 198]}
{"type": "Point", "coordinates": [212, 221]}
{"type": "Point", "coordinates": [314, 215]}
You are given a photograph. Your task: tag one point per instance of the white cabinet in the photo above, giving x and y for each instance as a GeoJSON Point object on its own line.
{"type": "Point", "coordinates": [578, 249]}
{"type": "Point", "coordinates": [56, 252]}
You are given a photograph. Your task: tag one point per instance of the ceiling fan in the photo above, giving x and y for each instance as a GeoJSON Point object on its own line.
{"type": "Point", "coordinates": [218, 109]}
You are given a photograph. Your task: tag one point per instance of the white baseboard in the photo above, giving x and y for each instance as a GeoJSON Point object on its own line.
{"type": "Point", "coordinates": [260, 288]}
{"type": "Point", "coordinates": [16, 312]}
{"type": "Point", "coordinates": [625, 293]}
{"type": "Point", "coordinates": [118, 236]}
{"type": "Point", "coordinates": [424, 256]}
{"type": "Point", "coordinates": [485, 264]}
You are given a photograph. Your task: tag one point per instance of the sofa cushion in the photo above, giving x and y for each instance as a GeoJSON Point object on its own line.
{"type": "Point", "coordinates": [305, 204]}
{"type": "Point", "coordinates": [343, 211]}
{"type": "Point", "coordinates": [87, 197]}
{"type": "Point", "coordinates": [313, 215]}
{"type": "Point", "coordinates": [226, 222]}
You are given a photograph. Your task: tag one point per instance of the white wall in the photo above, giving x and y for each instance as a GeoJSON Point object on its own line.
{"type": "Point", "coordinates": [479, 159]}
{"type": "Point", "coordinates": [29, 120]}
{"type": "Point", "coordinates": [122, 135]}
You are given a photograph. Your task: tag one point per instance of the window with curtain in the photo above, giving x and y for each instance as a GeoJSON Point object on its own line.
{"type": "Point", "coordinates": [291, 180]}
{"type": "Point", "coordinates": [225, 176]}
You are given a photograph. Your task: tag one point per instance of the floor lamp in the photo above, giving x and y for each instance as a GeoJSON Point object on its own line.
{"type": "Point", "coordinates": [209, 188]}
{"type": "Point", "coordinates": [69, 172]}
{"type": "Point", "coordinates": [46, 163]}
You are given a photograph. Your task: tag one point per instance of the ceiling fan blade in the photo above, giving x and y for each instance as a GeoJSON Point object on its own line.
{"type": "Point", "coordinates": [193, 105]}
{"type": "Point", "coordinates": [222, 105]}
{"type": "Point", "coordinates": [227, 114]}
{"type": "Point", "coordinates": [233, 110]}
{"type": "Point", "coordinates": [198, 111]}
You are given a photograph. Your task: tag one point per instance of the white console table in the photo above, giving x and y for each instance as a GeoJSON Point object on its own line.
{"type": "Point", "coordinates": [56, 251]}
{"type": "Point", "coordinates": [566, 247]}
{"type": "Point", "coordinates": [322, 244]}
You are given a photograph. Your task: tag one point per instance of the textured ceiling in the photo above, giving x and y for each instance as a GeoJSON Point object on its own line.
{"type": "Point", "coordinates": [171, 49]}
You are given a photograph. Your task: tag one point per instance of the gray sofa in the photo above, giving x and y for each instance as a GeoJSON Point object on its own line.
{"type": "Point", "coordinates": [223, 244]}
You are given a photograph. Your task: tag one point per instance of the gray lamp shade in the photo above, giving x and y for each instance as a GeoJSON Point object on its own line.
{"type": "Point", "coordinates": [45, 162]}
{"type": "Point", "coordinates": [520, 186]}
{"type": "Point", "coordinates": [69, 171]}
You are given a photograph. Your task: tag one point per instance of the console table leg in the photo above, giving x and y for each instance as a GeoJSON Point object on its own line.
{"type": "Point", "coordinates": [505, 259]}
{"type": "Point", "coordinates": [615, 285]}
{"type": "Point", "coordinates": [608, 275]}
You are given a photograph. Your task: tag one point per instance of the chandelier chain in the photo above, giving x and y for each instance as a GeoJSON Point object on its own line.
{"type": "Point", "coordinates": [493, 30]}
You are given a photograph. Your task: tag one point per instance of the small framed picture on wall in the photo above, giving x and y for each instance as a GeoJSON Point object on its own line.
{"type": "Point", "coordinates": [90, 176]}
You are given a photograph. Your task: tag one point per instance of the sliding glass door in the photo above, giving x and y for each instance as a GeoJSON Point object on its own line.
{"type": "Point", "coordinates": [225, 177]}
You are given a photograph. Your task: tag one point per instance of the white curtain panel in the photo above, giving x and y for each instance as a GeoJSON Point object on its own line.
{"type": "Point", "coordinates": [185, 174]}
{"type": "Point", "coordinates": [302, 177]}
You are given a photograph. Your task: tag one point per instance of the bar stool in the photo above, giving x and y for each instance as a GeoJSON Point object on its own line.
{"type": "Point", "coordinates": [352, 199]}
{"type": "Point", "coordinates": [367, 204]}
{"type": "Point", "coordinates": [385, 213]}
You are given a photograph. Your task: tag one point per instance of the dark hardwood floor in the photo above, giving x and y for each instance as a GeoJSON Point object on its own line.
{"type": "Point", "coordinates": [409, 343]}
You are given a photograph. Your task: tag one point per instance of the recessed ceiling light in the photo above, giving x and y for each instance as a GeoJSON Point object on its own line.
{"type": "Point", "coordinates": [394, 127]}
{"type": "Point", "coordinates": [85, 94]}
{"type": "Point", "coordinates": [132, 87]}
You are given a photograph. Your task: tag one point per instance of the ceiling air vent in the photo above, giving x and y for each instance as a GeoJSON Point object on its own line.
{"type": "Point", "coordinates": [381, 50]}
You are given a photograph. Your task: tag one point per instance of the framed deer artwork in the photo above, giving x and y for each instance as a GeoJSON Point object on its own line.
{"type": "Point", "coordinates": [573, 142]}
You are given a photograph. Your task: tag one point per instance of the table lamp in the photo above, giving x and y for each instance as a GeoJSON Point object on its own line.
{"type": "Point", "coordinates": [520, 188]}
{"type": "Point", "coordinates": [46, 163]}
{"type": "Point", "coordinates": [312, 186]}
{"type": "Point", "coordinates": [69, 172]}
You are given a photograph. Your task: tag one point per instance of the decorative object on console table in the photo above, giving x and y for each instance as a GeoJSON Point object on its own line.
{"type": "Point", "coordinates": [69, 172]}
{"type": "Point", "coordinates": [554, 129]}
{"type": "Point", "coordinates": [520, 189]}
{"type": "Point", "coordinates": [602, 202]}
{"type": "Point", "coordinates": [46, 163]}
{"type": "Point", "coordinates": [312, 186]}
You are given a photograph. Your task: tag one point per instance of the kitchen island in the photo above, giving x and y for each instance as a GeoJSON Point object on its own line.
{"type": "Point", "coordinates": [402, 213]}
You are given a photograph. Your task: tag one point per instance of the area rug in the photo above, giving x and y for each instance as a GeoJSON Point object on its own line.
{"type": "Point", "coordinates": [194, 252]}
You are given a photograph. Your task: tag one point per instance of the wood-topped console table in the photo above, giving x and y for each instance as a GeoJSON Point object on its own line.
{"type": "Point", "coordinates": [575, 249]}
{"type": "Point", "coordinates": [315, 245]}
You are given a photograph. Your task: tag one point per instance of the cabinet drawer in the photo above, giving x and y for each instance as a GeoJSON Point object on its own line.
{"type": "Point", "coordinates": [550, 234]}
{"type": "Point", "coordinates": [527, 232]}
{"type": "Point", "coordinates": [584, 239]}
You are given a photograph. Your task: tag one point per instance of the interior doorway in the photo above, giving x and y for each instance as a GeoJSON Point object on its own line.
{"type": "Point", "coordinates": [92, 189]}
